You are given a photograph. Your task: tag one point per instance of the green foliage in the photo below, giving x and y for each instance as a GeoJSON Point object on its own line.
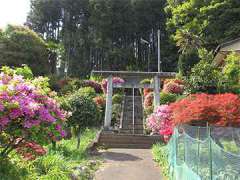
{"type": "Point", "coordinates": [88, 92]}
{"type": "Point", "coordinates": [105, 34]}
{"type": "Point", "coordinates": [84, 111]}
{"type": "Point", "coordinates": [203, 23]}
{"type": "Point", "coordinates": [166, 98]}
{"type": "Point", "coordinates": [231, 69]}
{"type": "Point", "coordinates": [146, 81]}
{"type": "Point", "coordinates": [160, 155]}
{"type": "Point", "coordinates": [19, 46]}
{"type": "Point", "coordinates": [204, 77]}
{"type": "Point", "coordinates": [53, 167]}
{"type": "Point", "coordinates": [59, 163]}
{"type": "Point", "coordinates": [186, 61]}
{"type": "Point", "coordinates": [24, 71]}
{"type": "Point", "coordinates": [67, 86]}
{"type": "Point", "coordinates": [96, 78]}
{"type": "Point", "coordinates": [116, 114]}
{"type": "Point", "coordinates": [117, 99]}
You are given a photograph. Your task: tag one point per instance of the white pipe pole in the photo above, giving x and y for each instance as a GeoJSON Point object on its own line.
{"type": "Point", "coordinates": [159, 55]}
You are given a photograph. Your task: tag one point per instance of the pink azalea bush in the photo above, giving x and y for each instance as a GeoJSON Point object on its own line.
{"type": "Point", "coordinates": [27, 113]}
{"type": "Point", "coordinates": [159, 122]}
{"type": "Point", "coordinates": [148, 100]}
{"type": "Point", "coordinates": [116, 80]}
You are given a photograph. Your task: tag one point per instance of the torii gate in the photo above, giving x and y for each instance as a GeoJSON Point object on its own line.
{"type": "Point", "coordinates": [132, 80]}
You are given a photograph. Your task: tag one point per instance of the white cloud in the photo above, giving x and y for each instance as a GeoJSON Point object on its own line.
{"type": "Point", "coordinates": [13, 11]}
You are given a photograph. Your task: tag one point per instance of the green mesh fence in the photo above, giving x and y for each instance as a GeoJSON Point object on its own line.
{"type": "Point", "coordinates": [200, 153]}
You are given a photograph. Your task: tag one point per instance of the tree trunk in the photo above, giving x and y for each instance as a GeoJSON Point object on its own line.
{"type": "Point", "coordinates": [78, 137]}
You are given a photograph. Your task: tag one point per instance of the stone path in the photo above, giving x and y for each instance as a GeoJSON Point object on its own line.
{"type": "Point", "coordinates": [128, 164]}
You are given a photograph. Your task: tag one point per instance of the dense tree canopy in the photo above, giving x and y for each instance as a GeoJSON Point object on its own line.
{"type": "Point", "coordinates": [105, 34]}
{"type": "Point", "coordinates": [20, 45]}
{"type": "Point", "coordinates": [122, 34]}
{"type": "Point", "coordinates": [205, 23]}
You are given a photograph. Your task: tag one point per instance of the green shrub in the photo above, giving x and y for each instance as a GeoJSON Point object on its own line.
{"type": "Point", "coordinates": [20, 45]}
{"type": "Point", "coordinates": [186, 61]}
{"type": "Point", "coordinates": [53, 167]}
{"type": "Point", "coordinates": [58, 163]}
{"type": "Point", "coordinates": [231, 69]}
{"type": "Point", "coordinates": [205, 76]}
{"type": "Point", "coordinates": [166, 98]}
{"type": "Point", "coordinates": [160, 155]}
{"type": "Point", "coordinates": [84, 112]}
{"type": "Point", "coordinates": [146, 81]}
{"type": "Point", "coordinates": [116, 114]}
{"type": "Point", "coordinates": [117, 99]}
{"type": "Point", "coordinates": [88, 92]}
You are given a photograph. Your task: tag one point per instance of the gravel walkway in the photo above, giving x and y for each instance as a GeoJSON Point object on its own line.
{"type": "Point", "coordinates": [128, 164]}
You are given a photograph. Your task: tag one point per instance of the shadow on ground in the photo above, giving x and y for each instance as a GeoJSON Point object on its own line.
{"type": "Point", "coordinates": [116, 156]}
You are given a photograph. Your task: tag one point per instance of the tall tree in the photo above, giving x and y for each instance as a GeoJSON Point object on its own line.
{"type": "Point", "coordinates": [209, 21]}
{"type": "Point", "coordinates": [20, 45]}
{"type": "Point", "coordinates": [105, 34]}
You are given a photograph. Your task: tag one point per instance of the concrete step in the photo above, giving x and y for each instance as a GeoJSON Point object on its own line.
{"type": "Point", "coordinates": [113, 140]}
{"type": "Point", "coordinates": [129, 146]}
{"type": "Point", "coordinates": [128, 141]}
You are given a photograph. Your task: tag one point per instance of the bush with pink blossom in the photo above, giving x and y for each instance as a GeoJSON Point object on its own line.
{"type": "Point", "coordinates": [159, 122]}
{"type": "Point", "coordinates": [115, 80]}
{"type": "Point", "coordinates": [28, 113]}
{"type": "Point", "coordinates": [148, 100]}
{"type": "Point", "coordinates": [174, 86]}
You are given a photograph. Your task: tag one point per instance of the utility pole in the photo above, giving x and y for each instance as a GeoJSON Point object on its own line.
{"type": "Point", "coordinates": [159, 55]}
{"type": "Point", "coordinates": [149, 51]}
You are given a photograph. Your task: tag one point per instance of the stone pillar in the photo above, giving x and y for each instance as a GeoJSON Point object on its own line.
{"type": "Point", "coordinates": [156, 92]}
{"type": "Point", "coordinates": [108, 111]}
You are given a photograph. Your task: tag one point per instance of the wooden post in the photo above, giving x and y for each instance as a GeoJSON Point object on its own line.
{"type": "Point", "coordinates": [108, 111]}
{"type": "Point", "coordinates": [156, 92]}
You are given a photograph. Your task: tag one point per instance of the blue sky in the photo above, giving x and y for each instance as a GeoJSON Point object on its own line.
{"type": "Point", "coordinates": [13, 11]}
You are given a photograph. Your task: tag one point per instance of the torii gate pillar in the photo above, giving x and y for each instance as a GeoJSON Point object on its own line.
{"type": "Point", "coordinates": [108, 110]}
{"type": "Point", "coordinates": [156, 91]}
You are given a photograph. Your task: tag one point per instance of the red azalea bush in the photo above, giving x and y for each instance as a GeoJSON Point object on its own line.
{"type": "Point", "coordinates": [200, 109]}
{"type": "Point", "coordinates": [148, 100]}
{"type": "Point", "coordinates": [30, 150]}
{"type": "Point", "coordinates": [174, 86]}
{"type": "Point", "coordinates": [146, 91]}
{"type": "Point", "coordinates": [99, 100]}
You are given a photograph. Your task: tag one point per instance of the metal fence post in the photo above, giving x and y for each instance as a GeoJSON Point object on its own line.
{"type": "Point", "coordinates": [210, 152]}
{"type": "Point", "coordinates": [198, 137]}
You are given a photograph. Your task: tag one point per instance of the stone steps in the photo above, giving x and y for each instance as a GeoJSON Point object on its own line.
{"type": "Point", "coordinates": [127, 118]}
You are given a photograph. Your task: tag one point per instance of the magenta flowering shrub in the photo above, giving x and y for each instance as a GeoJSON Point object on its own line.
{"type": "Point", "coordinates": [159, 122]}
{"type": "Point", "coordinates": [116, 80]}
{"type": "Point", "coordinates": [27, 113]}
{"type": "Point", "coordinates": [95, 85]}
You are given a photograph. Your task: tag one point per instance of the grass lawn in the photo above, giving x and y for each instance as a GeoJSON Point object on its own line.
{"type": "Point", "coordinates": [57, 164]}
{"type": "Point", "coordinates": [160, 156]}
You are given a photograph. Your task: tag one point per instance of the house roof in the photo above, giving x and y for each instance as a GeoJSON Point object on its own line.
{"type": "Point", "coordinates": [224, 49]}
{"type": "Point", "coordinates": [233, 45]}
